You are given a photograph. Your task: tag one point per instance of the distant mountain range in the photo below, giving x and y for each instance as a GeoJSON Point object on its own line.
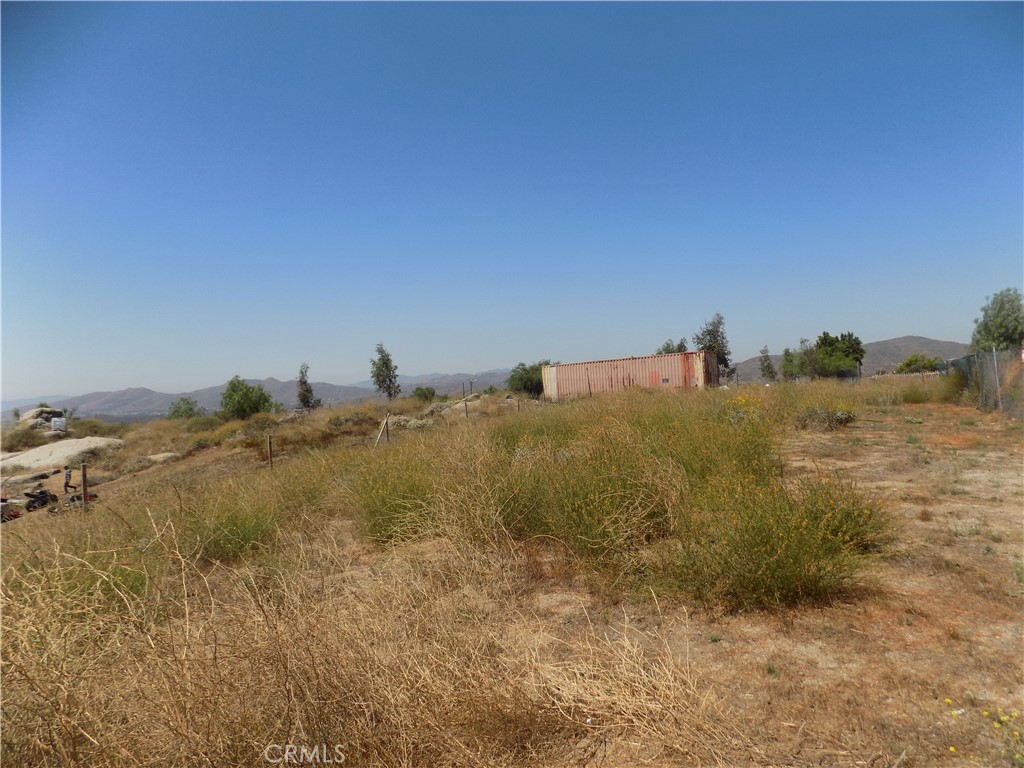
{"type": "Point", "coordinates": [879, 356]}
{"type": "Point", "coordinates": [141, 403]}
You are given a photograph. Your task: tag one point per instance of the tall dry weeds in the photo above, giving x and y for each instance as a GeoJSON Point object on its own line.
{"type": "Point", "coordinates": [424, 658]}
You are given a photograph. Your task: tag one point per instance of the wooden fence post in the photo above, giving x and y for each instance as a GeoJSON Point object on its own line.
{"type": "Point", "coordinates": [85, 489]}
{"type": "Point", "coordinates": [383, 429]}
{"type": "Point", "coordinates": [270, 450]}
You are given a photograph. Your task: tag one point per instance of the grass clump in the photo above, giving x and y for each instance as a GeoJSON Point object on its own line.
{"type": "Point", "coordinates": [648, 490]}
{"type": "Point", "coordinates": [826, 417]}
{"type": "Point", "coordinates": [98, 428]}
{"type": "Point", "coordinates": [771, 544]}
{"type": "Point", "coordinates": [21, 439]}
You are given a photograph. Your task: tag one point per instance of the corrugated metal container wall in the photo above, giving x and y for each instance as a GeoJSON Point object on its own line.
{"type": "Point", "coordinates": [680, 370]}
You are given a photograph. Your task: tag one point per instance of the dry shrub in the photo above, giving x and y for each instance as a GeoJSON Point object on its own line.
{"type": "Point", "coordinates": [21, 439]}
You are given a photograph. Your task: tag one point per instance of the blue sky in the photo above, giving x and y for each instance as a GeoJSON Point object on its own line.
{"type": "Point", "coordinates": [194, 190]}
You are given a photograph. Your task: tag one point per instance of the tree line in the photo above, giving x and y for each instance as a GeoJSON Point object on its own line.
{"type": "Point", "coordinates": [1001, 326]}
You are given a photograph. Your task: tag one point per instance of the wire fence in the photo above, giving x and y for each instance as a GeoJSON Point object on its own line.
{"type": "Point", "coordinates": [997, 378]}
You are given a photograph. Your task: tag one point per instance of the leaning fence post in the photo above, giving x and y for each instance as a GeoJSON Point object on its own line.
{"type": "Point", "coordinates": [383, 427]}
{"type": "Point", "coordinates": [85, 489]}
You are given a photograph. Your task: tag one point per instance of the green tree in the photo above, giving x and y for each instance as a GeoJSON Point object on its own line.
{"type": "Point", "coordinates": [1001, 325]}
{"type": "Point", "coordinates": [767, 366]}
{"type": "Point", "coordinates": [799, 362]}
{"type": "Point", "coordinates": [241, 400]}
{"type": "Point", "coordinates": [16, 413]}
{"type": "Point", "coordinates": [185, 408]}
{"type": "Point", "coordinates": [789, 365]}
{"type": "Point", "coordinates": [711, 338]}
{"type": "Point", "coordinates": [384, 373]}
{"type": "Point", "coordinates": [670, 347]}
{"type": "Point", "coordinates": [830, 356]}
{"type": "Point", "coordinates": [528, 379]}
{"type": "Point", "coordinates": [424, 394]}
{"type": "Point", "coordinates": [919, 362]}
{"type": "Point", "coordinates": [836, 356]}
{"type": "Point", "coordinates": [306, 398]}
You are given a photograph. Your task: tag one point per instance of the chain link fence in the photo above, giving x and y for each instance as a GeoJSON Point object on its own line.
{"type": "Point", "coordinates": [996, 379]}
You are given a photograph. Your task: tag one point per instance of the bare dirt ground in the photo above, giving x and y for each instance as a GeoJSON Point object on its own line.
{"type": "Point", "coordinates": [922, 665]}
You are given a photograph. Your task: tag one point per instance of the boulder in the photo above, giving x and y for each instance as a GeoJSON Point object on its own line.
{"type": "Point", "coordinates": [60, 453]}
{"type": "Point", "coordinates": [45, 414]}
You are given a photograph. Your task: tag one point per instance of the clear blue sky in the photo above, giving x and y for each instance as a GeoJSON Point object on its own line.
{"type": "Point", "coordinates": [192, 191]}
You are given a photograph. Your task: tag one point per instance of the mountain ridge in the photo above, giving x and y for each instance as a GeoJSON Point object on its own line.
{"type": "Point", "coordinates": [144, 403]}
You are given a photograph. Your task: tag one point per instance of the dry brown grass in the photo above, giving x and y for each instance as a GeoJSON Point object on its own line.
{"type": "Point", "coordinates": [420, 658]}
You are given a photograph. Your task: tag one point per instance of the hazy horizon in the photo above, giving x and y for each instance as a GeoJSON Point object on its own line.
{"type": "Point", "coordinates": [194, 191]}
{"type": "Point", "coordinates": [364, 382]}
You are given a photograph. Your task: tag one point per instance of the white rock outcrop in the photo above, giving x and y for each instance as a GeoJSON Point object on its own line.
{"type": "Point", "coordinates": [57, 454]}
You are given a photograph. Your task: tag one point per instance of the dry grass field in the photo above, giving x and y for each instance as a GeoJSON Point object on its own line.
{"type": "Point", "coordinates": [389, 605]}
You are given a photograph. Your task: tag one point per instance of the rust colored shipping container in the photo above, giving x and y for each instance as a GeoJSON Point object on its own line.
{"type": "Point", "coordinates": [680, 370]}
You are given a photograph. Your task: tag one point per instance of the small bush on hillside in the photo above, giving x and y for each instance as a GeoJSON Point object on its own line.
{"type": "Point", "coordinates": [17, 440]}
{"type": "Point", "coordinates": [200, 444]}
{"type": "Point", "coordinates": [241, 400]}
{"type": "Point", "coordinates": [424, 394]}
{"type": "Point", "coordinates": [356, 423]}
{"type": "Point", "coordinates": [230, 535]}
{"type": "Point", "coordinates": [260, 425]}
{"type": "Point", "coordinates": [202, 424]}
{"type": "Point", "coordinates": [90, 456]}
{"type": "Point", "coordinates": [98, 428]}
{"type": "Point", "coordinates": [185, 408]}
{"type": "Point", "coordinates": [137, 465]}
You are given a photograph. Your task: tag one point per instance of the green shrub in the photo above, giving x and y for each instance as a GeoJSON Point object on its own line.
{"type": "Point", "coordinates": [232, 518]}
{"type": "Point", "coordinates": [765, 545]}
{"type": "Point", "coordinates": [202, 424]}
{"type": "Point", "coordinates": [185, 408]}
{"type": "Point", "coordinates": [914, 395]}
{"type": "Point", "coordinates": [394, 490]}
{"type": "Point", "coordinates": [234, 533]}
{"type": "Point", "coordinates": [424, 394]}
{"type": "Point", "coordinates": [241, 400]}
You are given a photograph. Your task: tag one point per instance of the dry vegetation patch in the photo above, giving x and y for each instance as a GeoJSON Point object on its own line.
{"type": "Point", "coordinates": [160, 630]}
